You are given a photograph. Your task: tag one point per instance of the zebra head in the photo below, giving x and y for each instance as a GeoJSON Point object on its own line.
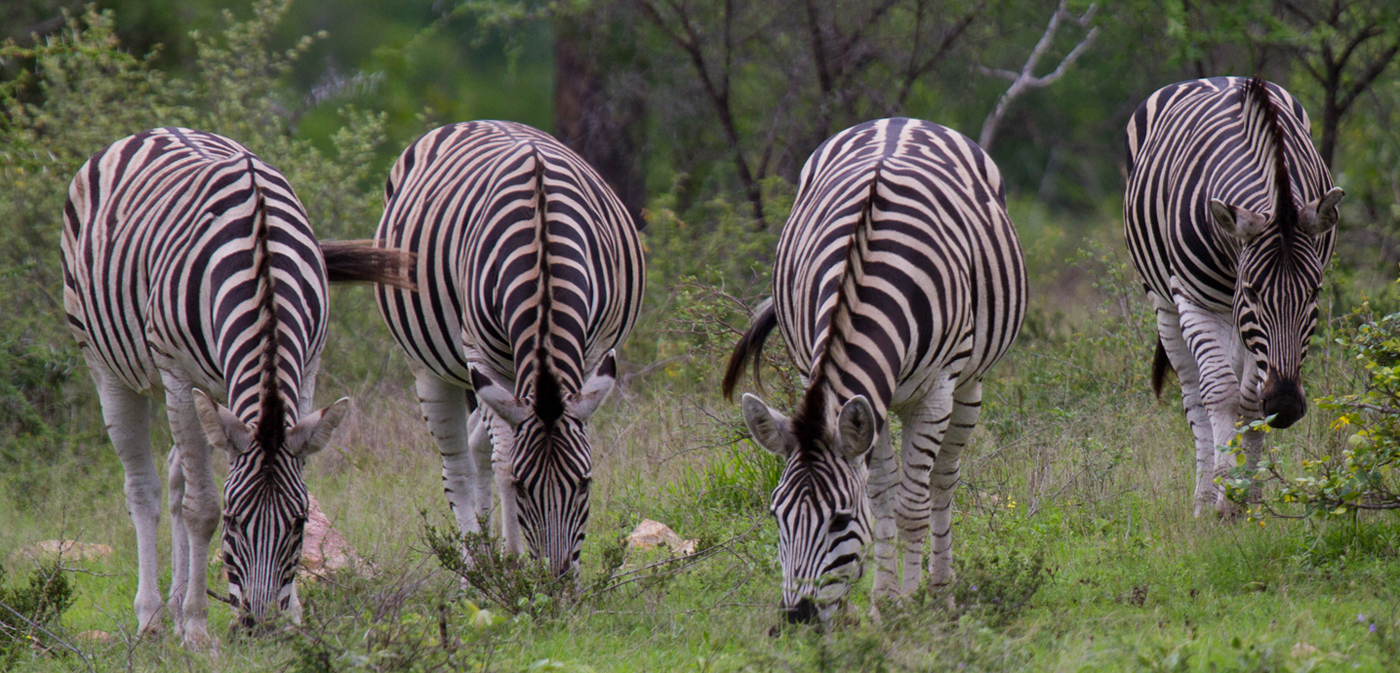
{"type": "Point", "coordinates": [550, 459]}
{"type": "Point", "coordinates": [820, 503]}
{"type": "Point", "coordinates": [1275, 304]}
{"type": "Point", "coordinates": [265, 499]}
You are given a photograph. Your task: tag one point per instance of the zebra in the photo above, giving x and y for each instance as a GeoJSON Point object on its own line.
{"type": "Point", "coordinates": [516, 237]}
{"type": "Point", "coordinates": [898, 282]}
{"type": "Point", "coordinates": [189, 269]}
{"type": "Point", "coordinates": [1230, 217]}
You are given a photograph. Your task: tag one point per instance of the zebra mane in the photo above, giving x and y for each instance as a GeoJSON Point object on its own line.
{"type": "Point", "coordinates": [272, 410]}
{"type": "Point", "coordinates": [1256, 92]}
{"type": "Point", "coordinates": [549, 397]}
{"type": "Point", "coordinates": [809, 422]}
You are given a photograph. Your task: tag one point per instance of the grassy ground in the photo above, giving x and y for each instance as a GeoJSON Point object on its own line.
{"type": "Point", "coordinates": [1074, 464]}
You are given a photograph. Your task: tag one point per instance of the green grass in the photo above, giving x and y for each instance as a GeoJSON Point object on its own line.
{"type": "Point", "coordinates": [1073, 458]}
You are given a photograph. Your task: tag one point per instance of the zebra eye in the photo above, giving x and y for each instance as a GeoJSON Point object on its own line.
{"type": "Point", "coordinates": [1250, 294]}
{"type": "Point", "coordinates": [839, 521]}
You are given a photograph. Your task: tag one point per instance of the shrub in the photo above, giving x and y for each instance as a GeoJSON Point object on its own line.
{"type": "Point", "coordinates": [513, 582]}
{"type": "Point", "coordinates": [997, 586]}
{"type": "Point", "coordinates": [1362, 476]}
{"type": "Point", "coordinates": [30, 614]}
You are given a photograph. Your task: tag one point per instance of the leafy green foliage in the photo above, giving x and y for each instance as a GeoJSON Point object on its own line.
{"type": "Point", "coordinates": [411, 623]}
{"type": "Point", "coordinates": [1362, 475]}
{"type": "Point", "coordinates": [29, 614]}
{"type": "Point", "coordinates": [996, 587]}
{"type": "Point", "coordinates": [515, 583]}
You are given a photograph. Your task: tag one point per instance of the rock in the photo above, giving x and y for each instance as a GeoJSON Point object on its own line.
{"type": "Point", "coordinates": [94, 637]}
{"type": "Point", "coordinates": [649, 534]}
{"type": "Point", "coordinates": [324, 548]}
{"type": "Point", "coordinates": [69, 549]}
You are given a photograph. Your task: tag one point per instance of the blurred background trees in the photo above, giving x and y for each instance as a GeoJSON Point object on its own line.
{"type": "Point", "coordinates": [698, 112]}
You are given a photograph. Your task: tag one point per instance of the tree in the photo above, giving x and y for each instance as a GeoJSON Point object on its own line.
{"type": "Point", "coordinates": [1025, 80]}
{"type": "Point", "coordinates": [1343, 47]}
{"type": "Point", "coordinates": [779, 77]}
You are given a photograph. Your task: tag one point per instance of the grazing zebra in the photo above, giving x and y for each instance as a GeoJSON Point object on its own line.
{"type": "Point", "coordinates": [1230, 217]}
{"type": "Point", "coordinates": [517, 237]}
{"type": "Point", "coordinates": [189, 268]}
{"type": "Point", "coordinates": [898, 282]}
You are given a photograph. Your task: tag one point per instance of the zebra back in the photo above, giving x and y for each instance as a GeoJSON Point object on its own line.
{"type": "Point", "coordinates": [1216, 138]}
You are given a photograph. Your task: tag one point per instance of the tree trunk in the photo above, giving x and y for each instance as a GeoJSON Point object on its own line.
{"type": "Point", "coordinates": [602, 126]}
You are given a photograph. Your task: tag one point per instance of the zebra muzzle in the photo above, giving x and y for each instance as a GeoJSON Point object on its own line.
{"type": "Point", "coordinates": [1285, 403]}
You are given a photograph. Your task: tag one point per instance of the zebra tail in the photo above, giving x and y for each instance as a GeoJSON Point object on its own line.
{"type": "Point", "coordinates": [750, 346]}
{"type": "Point", "coordinates": [363, 261]}
{"type": "Point", "coordinates": [1160, 365]}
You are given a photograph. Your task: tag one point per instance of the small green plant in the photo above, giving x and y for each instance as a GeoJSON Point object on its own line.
{"type": "Point", "coordinates": [997, 586]}
{"type": "Point", "coordinates": [515, 583]}
{"type": "Point", "coordinates": [30, 614]}
{"type": "Point", "coordinates": [1362, 475]}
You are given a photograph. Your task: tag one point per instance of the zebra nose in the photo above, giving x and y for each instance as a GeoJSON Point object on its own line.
{"type": "Point", "coordinates": [1286, 403]}
{"type": "Point", "coordinates": [805, 612]}
{"type": "Point", "coordinates": [246, 625]}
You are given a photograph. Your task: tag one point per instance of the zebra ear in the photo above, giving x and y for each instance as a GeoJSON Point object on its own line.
{"type": "Point", "coordinates": [772, 430]}
{"type": "Point", "coordinates": [856, 426]}
{"type": "Point", "coordinates": [1238, 222]}
{"type": "Point", "coordinates": [313, 433]}
{"type": "Point", "coordinates": [491, 391]}
{"type": "Point", "coordinates": [583, 403]}
{"type": "Point", "coordinates": [221, 427]}
{"type": "Point", "coordinates": [1321, 215]}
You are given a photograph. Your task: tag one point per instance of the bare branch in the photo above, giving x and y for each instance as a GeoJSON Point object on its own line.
{"type": "Point", "coordinates": [997, 72]}
{"type": "Point", "coordinates": [1026, 79]}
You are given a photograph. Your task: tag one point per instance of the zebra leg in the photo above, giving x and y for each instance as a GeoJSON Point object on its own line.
{"type": "Point", "coordinates": [479, 444]}
{"type": "Point", "coordinates": [126, 414]}
{"type": "Point", "coordinates": [947, 473]}
{"type": "Point", "coordinates": [201, 505]}
{"type": "Point", "coordinates": [1211, 338]}
{"type": "Point", "coordinates": [1189, 376]}
{"type": "Point", "coordinates": [1251, 442]}
{"type": "Point", "coordinates": [881, 484]}
{"type": "Point", "coordinates": [179, 540]}
{"type": "Point", "coordinates": [445, 411]}
{"type": "Point", "coordinates": [920, 443]}
{"type": "Point", "coordinates": [502, 442]}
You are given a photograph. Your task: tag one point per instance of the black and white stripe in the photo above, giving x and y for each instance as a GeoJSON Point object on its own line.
{"type": "Point", "coordinates": [188, 267]}
{"type": "Point", "coordinates": [1230, 217]}
{"type": "Point", "coordinates": [517, 237]}
{"type": "Point", "coordinates": [898, 282]}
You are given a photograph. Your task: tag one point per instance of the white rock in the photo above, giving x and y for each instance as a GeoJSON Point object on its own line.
{"type": "Point", "coordinates": [324, 548]}
{"type": "Point", "coordinates": [649, 534]}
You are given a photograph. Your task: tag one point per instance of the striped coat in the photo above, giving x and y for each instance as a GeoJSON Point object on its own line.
{"type": "Point", "coordinates": [898, 282]}
{"type": "Point", "coordinates": [190, 271]}
{"type": "Point", "coordinates": [1230, 217]}
{"type": "Point", "coordinates": [530, 274]}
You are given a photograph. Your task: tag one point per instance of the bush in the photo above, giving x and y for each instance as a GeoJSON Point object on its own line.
{"type": "Point", "coordinates": [515, 583]}
{"type": "Point", "coordinates": [997, 586]}
{"type": "Point", "coordinates": [1362, 476]}
{"type": "Point", "coordinates": [30, 614]}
